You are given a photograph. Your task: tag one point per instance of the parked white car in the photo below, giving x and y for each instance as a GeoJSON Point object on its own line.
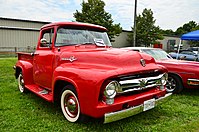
{"type": "Point", "coordinates": [194, 49]}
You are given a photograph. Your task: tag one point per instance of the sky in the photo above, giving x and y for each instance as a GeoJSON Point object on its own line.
{"type": "Point", "coordinates": [169, 14]}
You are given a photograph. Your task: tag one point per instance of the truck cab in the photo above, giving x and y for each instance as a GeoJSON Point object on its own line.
{"type": "Point", "coordinates": [74, 64]}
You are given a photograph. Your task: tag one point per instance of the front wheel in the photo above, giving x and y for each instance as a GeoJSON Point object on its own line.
{"type": "Point", "coordinates": [70, 105]}
{"type": "Point", "coordinates": [174, 84]}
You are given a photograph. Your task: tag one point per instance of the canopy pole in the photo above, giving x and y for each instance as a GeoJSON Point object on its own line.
{"type": "Point", "coordinates": [178, 49]}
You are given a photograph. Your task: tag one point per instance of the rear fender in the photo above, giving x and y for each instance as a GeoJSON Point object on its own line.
{"type": "Point", "coordinates": [27, 71]}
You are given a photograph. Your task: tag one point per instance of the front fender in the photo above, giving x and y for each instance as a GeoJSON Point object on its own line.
{"type": "Point", "coordinates": [87, 82]}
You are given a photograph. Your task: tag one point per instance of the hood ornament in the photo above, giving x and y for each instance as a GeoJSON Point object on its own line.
{"type": "Point", "coordinates": [142, 62]}
{"type": "Point", "coordinates": [71, 59]}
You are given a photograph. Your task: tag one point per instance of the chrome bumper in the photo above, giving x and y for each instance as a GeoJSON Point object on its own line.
{"type": "Point", "coordinates": [114, 116]}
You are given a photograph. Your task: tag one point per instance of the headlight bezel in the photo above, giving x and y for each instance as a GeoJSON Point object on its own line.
{"type": "Point", "coordinates": [164, 79]}
{"type": "Point", "coordinates": [110, 90]}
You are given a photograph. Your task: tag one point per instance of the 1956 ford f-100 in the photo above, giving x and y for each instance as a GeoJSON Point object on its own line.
{"type": "Point", "coordinates": [75, 65]}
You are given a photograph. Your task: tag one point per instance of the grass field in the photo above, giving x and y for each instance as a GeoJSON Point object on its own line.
{"type": "Point", "coordinates": [27, 112]}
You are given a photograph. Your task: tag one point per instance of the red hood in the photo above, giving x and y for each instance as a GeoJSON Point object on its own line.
{"type": "Point", "coordinates": [109, 58]}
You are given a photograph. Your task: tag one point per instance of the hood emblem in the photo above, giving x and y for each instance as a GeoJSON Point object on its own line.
{"type": "Point", "coordinates": [143, 83]}
{"type": "Point", "coordinates": [142, 62]}
{"type": "Point", "coordinates": [71, 59]}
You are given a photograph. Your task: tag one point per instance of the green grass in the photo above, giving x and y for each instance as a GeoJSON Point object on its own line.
{"type": "Point", "coordinates": [27, 112]}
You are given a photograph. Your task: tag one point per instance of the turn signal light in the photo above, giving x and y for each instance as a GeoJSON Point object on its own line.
{"type": "Point", "coordinates": [194, 82]}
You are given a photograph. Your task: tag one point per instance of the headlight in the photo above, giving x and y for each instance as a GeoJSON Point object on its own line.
{"type": "Point", "coordinates": [164, 79]}
{"type": "Point", "coordinates": [110, 90]}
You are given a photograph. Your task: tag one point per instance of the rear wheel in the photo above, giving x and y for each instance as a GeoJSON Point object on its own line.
{"type": "Point", "coordinates": [174, 84]}
{"type": "Point", "coordinates": [21, 84]}
{"type": "Point", "coordinates": [70, 105]}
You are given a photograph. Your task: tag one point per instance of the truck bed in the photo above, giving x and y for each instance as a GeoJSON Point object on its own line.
{"type": "Point", "coordinates": [25, 56]}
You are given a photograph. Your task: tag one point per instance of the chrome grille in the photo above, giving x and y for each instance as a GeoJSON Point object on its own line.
{"type": "Point", "coordinates": [139, 84]}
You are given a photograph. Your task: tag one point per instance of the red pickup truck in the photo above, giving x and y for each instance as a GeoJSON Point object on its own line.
{"type": "Point", "coordinates": [75, 65]}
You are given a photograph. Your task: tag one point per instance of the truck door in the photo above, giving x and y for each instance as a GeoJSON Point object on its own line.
{"type": "Point", "coordinates": [43, 59]}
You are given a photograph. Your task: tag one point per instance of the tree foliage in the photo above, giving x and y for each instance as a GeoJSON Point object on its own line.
{"type": "Point", "coordinates": [187, 27]}
{"type": "Point", "coordinates": [93, 12]}
{"type": "Point", "coordinates": [167, 32]}
{"type": "Point", "coordinates": [146, 31]}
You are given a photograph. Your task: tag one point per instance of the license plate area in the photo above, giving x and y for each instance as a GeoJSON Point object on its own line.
{"type": "Point", "coordinates": [149, 104]}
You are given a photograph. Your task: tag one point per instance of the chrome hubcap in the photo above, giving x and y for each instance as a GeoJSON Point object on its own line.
{"type": "Point", "coordinates": [71, 106]}
{"type": "Point", "coordinates": [171, 84]}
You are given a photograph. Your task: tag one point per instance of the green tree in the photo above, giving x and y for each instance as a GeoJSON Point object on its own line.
{"type": "Point", "coordinates": [93, 12]}
{"type": "Point", "coordinates": [187, 27]}
{"type": "Point", "coordinates": [167, 32]}
{"type": "Point", "coordinates": [146, 31]}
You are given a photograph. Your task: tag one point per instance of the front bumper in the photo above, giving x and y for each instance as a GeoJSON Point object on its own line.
{"type": "Point", "coordinates": [114, 116]}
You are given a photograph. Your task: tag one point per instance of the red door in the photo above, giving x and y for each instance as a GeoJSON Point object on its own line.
{"type": "Point", "coordinates": [43, 68]}
{"type": "Point", "coordinates": [43, 59]}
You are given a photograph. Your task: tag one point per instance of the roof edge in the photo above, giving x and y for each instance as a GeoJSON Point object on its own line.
{"type": "Point", "coordinates": [23, 20]}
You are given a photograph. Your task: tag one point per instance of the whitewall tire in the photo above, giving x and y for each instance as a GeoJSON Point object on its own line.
{"type": "Point", "coordinates": [21, 84]}
{"type": "Point", "coordinates": [70, 104]}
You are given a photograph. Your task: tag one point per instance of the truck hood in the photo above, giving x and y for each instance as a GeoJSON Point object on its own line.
{"type": "Point", "coordinates": [107, 58]}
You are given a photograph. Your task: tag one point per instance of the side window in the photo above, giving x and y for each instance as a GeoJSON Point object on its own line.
{"type": "Point", "coordinates": [47, 36]}
{"type": "Point", "coordinates": [187, 52]}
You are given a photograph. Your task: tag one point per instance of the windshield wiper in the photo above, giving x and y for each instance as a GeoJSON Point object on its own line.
{"type": "Point", "coordinates": [86, 43]}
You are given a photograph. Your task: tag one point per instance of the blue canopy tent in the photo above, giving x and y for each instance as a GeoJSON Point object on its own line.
{"type": "Point", "coordinates": [194, 35]}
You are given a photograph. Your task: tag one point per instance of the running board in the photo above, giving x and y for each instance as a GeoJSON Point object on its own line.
{"type": "Point", "coordinates": [45, 94]}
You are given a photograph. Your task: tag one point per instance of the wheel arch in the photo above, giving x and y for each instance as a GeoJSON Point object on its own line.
{"type": "Point", "coordinates": [17, 71]}
{"type": "Point", "coordinates": [58, 87]}
{"type": "Point", "coordinates": [175, 74]}
{"type": "Point", "coordinates": [179, 82]}
{"type": "Point", "coordinates": [27, 70]}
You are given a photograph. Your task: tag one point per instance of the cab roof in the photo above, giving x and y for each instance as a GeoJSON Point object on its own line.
{"type": "Point", "coordinates": [76, 24]}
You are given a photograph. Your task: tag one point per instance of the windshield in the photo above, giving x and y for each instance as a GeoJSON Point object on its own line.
{"type": "Point", "coordinates": [67, 37]}
{"type": "Point", "coordinates": [158, 54]}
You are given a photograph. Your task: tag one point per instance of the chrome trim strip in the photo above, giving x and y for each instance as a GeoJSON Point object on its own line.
{"type": "Point", "coordinates": [118, 115]}
{"type": "Point", "coordinates": [138, 89]}
{"type": "Point", "coordinates": [186, 73]}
